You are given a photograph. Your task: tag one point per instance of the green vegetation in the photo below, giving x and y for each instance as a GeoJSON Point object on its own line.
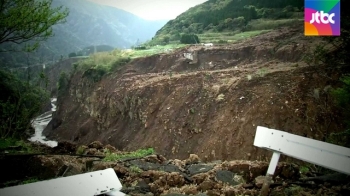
{"type": "Point", "coordinates": [228, 37]}
{"type": "Point", "coordinates": [342, 96]}
{"type": "Point", "coordinates": [189, 39]}
{"type": "Point", "coordinates": [17, 182]}
{"type": "Point", "coordinates": [24, 24]}
{"type": "Point", "coordinates": [28, 21]}
{"type": "Point", "coordinates": [267, 24]}
{"type": "Point", "coordinates": [304, 169]}
{"type": "Point", "coordinates": [80, 150]}
{"type": "Point", "coordinates": [101, 63]}
{"type": "Point", "coordinates": [91, 50]}
{"type": "Point", "coordinates": [135, 169]}
{"type": "Point", "coordinates": [19, 103]}
{"type": "Point", "coordinates": [13, 145]}
{"type": "Point", "coordinates": [31, 180]}
{"type": "Point", "coordinates": [337, 56]}
{"type": "Point", "coordinates": [233, 16]}
{"type": "Point", "coordinates": [136, 154]}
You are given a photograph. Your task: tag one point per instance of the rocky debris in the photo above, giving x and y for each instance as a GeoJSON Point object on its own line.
{"type": "Point", "coordinates": [64, 147]}
{"type": "Point", "coordinates": [155, 159]}
{"type": "Point", "coordinates": [198, 168]}
{"type": "Point", "coordinates": [329, 178]}
{"type": "Point", "coordinates": [96, 144]}
{"type": "Point", "coordinates": [154, 175]}
{"type": "Point", "coordinates": [228, 177]}
{"type": "Point", "coordinates": [199, 178]}
{"type": "Point", "coordinates": [110, 148]}
{"type": "Point", "coordinates": [193, 159]}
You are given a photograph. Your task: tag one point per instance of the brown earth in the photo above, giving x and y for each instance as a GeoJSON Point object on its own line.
{"type": "Point", "coordinates": [210, 105]}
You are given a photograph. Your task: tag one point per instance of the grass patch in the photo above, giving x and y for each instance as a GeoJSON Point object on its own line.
{"type": "Point", "coordinates": [229, 37]}
{"type": "Point", "coordinates": [18, 182]}
{"type": "Point", "coordinates": [32, 180]}
{"type": "Point", "coordinates": [13, 146]}
{"type": "Point", "coordinates": [135, 169]}
{"type": "Point", "coordinates": [153, 50]}
{"type": "Point", "coordinates": [136, 154]}
{"type": "Point", "coordinates": [304, 169]}
{"type": "Point", "coordinates": [101, 63]}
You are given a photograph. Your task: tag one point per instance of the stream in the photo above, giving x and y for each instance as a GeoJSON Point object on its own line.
{"type": "Point", "coordinates": [39, 123]}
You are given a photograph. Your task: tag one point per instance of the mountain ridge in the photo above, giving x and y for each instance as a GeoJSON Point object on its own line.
{"type": "Point", "coordinates": [87, 24]}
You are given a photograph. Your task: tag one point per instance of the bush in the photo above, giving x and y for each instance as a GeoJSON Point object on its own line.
{"type": "Point", "coordinates": [96, 73]}
{"type": "Point", "coordinates": [140, 48]}
{"type": "Point", "coordinates": [62, 82]}
{"type": "Point", "coordinates": [222, 41]}
{"type": "Point", "coordinates": [73, 54]}
{"type": "Point", "coordinates": [189, 39]}
{"type": "Point", "coordinates": [119, 62]}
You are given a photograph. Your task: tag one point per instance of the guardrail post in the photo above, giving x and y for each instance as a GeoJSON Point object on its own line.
{"type": "Point", "coordinates": [273, 163]}
{"type": "Point", "coordinates": [324, 154]}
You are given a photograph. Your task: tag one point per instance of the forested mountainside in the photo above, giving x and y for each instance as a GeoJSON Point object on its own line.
{"type": "Point", "coordinates": [88, 24]}
{"type": "Point", "coordinates": [223, 15]}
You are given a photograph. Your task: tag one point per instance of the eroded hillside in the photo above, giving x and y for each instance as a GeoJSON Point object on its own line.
{"type": "Point", "coordinates": [209, 103]}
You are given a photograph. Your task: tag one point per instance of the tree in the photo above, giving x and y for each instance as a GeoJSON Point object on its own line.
{"type": "Point", "coordinates": [19, 104]}
{"type": "Point", "coordinates": [166, 40]}
{"type": "Point", "coordinates": [28, 22]}
{"type": "Point", "coordinates": [189, 39]}
{"type": "Point", "coordinates": [23, 25]}
{"type": "Point", "coordinates": [72, 54]}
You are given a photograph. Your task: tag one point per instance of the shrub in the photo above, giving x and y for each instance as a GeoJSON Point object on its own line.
{"type": "Point", "coordinates": [96, 73]}
{"type": "Point", "coordinates": [189, 39]}
{"type": "Point", "coordinates": [119, 62]}
{"type": "Point", "coordinates": [62, 81]}
{"type": "Point", "coordinates": [140, 48]}
{"type": "Point", "coordinates": [222, 41]}
{"type": "Point", "coordinates": [73, 54]}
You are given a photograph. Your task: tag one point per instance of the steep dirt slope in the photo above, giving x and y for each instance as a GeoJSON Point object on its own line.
{"type": "Point", "coordinates": [210, 105]}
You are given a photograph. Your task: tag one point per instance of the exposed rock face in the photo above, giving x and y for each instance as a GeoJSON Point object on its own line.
{"type": "Point", "coordinates": [211, 107]}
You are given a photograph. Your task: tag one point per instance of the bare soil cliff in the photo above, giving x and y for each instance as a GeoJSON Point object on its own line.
{"type": "Point", "coordinates": [209, 104]}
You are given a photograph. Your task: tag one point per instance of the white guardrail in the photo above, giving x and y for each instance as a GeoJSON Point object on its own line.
{"type": "Point", "coordinates": [103, 182]}
{"type": "Point", "coordinates": [327, 155]}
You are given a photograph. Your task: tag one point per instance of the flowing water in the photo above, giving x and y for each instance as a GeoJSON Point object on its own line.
{"type": "Point", "coordinates": [39, 123]}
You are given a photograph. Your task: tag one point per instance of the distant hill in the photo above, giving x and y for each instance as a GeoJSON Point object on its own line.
{"type": "Point", "coordinates": [228, 15]}
{"type": "Point", "coordinates": [88, 24]}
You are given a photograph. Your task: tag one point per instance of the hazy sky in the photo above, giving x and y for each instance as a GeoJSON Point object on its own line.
{"type": "Point", "coordinates": [153, 9]}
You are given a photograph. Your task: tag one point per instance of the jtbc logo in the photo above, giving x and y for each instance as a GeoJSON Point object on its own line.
{"type": "Point", "coordinates": [317, 17]}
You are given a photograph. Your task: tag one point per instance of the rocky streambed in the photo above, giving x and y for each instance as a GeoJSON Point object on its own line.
{"type": "Point", "coordinates": [40, 123]}
{"type": "Point", "coordinates": [157, 175]}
